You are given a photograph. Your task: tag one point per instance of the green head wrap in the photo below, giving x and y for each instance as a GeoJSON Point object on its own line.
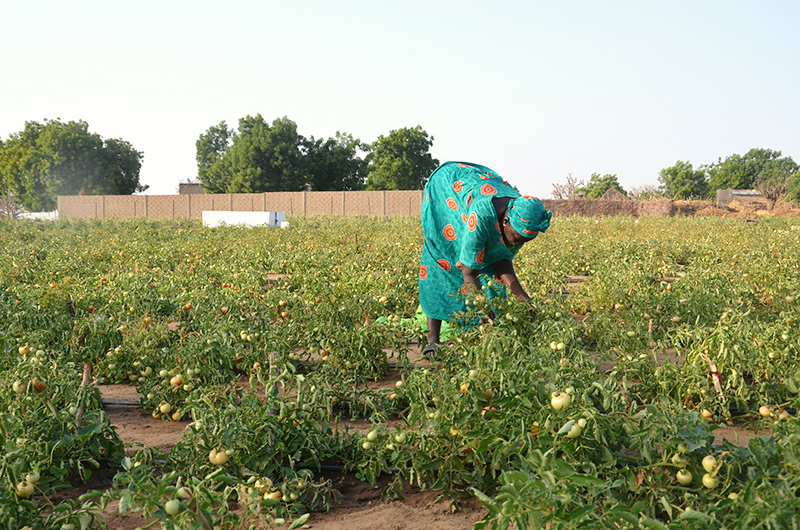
{"type": "Point", "coordinates": [527, 216]}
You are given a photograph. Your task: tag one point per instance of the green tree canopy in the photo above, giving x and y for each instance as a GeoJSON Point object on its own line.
{"type": "Point", "coordinates": [793, 183]}
{"type": "Point", "coordinates": [739, 172]}
{"type": "Point", "coordinates": [211, 147]}
{"type": "Point", "coordinates": [55, 158]}
{"type": "Point", "coordinates": [401, 160]}
{"type": "Point", "coordinates": [334, 165]}
{"type": "Point", "coordinates": [776, 178]}
{"type": "Point", "coordinates": [260, 158]}
{"type": "Point", "coordinates": [263, 157]}
{"type": "Point", "coordinates": [681, 181]}
{"type": "Point", "coordinates": [599, 185]}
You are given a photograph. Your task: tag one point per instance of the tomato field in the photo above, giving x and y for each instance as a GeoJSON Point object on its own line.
{"type": "Point", "coordinates": [593, 405]}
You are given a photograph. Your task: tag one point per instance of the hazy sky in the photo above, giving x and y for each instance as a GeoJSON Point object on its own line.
{"type": "Point", "coordinates": [535, 90]}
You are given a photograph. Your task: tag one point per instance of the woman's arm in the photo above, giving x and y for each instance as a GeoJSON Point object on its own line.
{"type": "Point", "coordinates": [471, 276]}
{"type": "Point", "coordinates": [505, 269]}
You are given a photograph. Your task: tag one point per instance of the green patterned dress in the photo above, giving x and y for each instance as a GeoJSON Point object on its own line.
{"type": "Point", "coordinates": [459, 228]}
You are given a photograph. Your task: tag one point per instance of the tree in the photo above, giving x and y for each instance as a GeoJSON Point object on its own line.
{"type": "Point", "coordinates": [400, 161]}
{"type": "Point", "coordinates": [645, 192]}
{"type": "Point", "coordinates": [598, 185]}
{"type": "Point", "coordinates": [568, 190]}
{"type": "Point", "coordinates": [793, 183]}
{"type": "Point", "coordinates": [739, 172]}
{"type": "Point", "coordinates": [333, 164]}
{"type": "Point", "coordinates": [774, 179]}
{"type": "Point", "coordinates": [681, 181]}
{"type": "Point", "coordinates": [260, 158]}
{"type": "Point", "coordinates": [54, 158]}
{"type": "Point", "coordinates": [9, 207]}
{"type": "Point", "coordinates": [211, 147]}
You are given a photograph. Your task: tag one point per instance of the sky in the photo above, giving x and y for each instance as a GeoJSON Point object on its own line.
{"type": "Point", "coordinates": [534, 90]}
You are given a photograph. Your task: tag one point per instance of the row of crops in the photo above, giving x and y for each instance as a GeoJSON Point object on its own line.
{"type": "Point", "coordinates": [562, 411]}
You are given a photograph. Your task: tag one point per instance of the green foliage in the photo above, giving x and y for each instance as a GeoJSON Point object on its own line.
{"type": "Point", "coordinates": [261, 157]}
{"type": "Point", "coordinates": [776, 179]}
{"type": "Point", "coordinates": [401, 160]}
{"type": "Point", "coordinates": [681, 181]}
{"type": "Point", "coordinates": [333, 164]}
{"type": "Point", "coordinates": [55, 158]}
{"type": "Point", "coordinates": [211, 147]}
{"type": "Point", "coordinates": [598, 185]}
{"type": "Point", "coordinates": [793, 185]}
{"type": "Point", "coordinates": [740, 172]}
{"type": "Point", "coordinates": [271, 367]}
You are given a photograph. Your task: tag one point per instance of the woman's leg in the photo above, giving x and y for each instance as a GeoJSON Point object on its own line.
{"type": "Point", "coordinates": [434, 327]}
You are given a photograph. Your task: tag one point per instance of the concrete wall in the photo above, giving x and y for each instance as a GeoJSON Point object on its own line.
{"type": "Point", "coordinates": [375, 203]}
{"type": "Point", "coordinates": [371, 203]}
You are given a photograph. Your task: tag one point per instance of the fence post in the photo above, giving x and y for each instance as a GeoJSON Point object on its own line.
{"type": "Point", "coordinates": [104, 206]}
{"type": "Point", "coordinates": [189, 205]}
{"type": "Point", "coordinates": [264, 206]}
{"type": "Point", "coordinates": [383, 203]}
{"type": "Point", "coordinates": [145, 206]}
{"type": "Point", "coordinates": [230, 202]}
{"type": "Point", "coordinates": [343, 192]}
{"type": "Point", "coordinates": [304, 204]}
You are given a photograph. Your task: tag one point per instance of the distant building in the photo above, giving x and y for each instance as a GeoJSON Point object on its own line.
{"type": "Point", "coordinates": [190, 188]}
{"type": "Point", "coordinates": [747, 197]}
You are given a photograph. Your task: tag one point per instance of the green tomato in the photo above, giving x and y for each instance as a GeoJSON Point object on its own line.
{"type": "Point", "coordinates": [709, 481]}
{"type": "Point", "coordinates": [684, 477]}
{"type": "Point", "coordinates": [172, 507]}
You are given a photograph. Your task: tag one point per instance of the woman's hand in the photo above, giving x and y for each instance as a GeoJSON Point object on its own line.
{"type": "Point", "coordinates": [505, 269]}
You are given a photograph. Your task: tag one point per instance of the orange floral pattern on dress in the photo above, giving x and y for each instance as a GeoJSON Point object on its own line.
{"type": "Point", "coordinates": [498, 279]}
{"type": "Point", "coordinates": [423, 272]}
{"type": "Point", "coordinates": [464, 165]}
{"type": "Point", "coordinates": [464, 218]}
{"type": "Point", "coordinates": [469, 198]}
{"type": "Point", "coordinates": [443, 263]}
{"type": "Point", "coordinates": [458, 186]}
{"type": "Point", "coordinates": [479, 256]}
{"type": "Point", "coordinates": [451, 202]}
{"type": "Point", "coordinates": [465, 288]}
{"type": "Point", "coordinates": [488, 189]}
{"type": "Point", "coordinates": [459, 265]}
{"type": "Point", "coordinates": [449, 233]}
{"type": "Point", "coordinates": [472, 222]}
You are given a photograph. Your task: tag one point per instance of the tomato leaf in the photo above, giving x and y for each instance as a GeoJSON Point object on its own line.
{"type": "Point", "coordinates": [300, 521]}
{"type": "Point", "coordinates": [487, 501]}
{"type": "Point", "coordinates": [586, 481]}
{"type": "Point", "coordinates": [580, 513]}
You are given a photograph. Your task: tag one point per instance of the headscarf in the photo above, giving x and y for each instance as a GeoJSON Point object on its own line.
{"type": "Point", "coordinates": [527, 216]}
